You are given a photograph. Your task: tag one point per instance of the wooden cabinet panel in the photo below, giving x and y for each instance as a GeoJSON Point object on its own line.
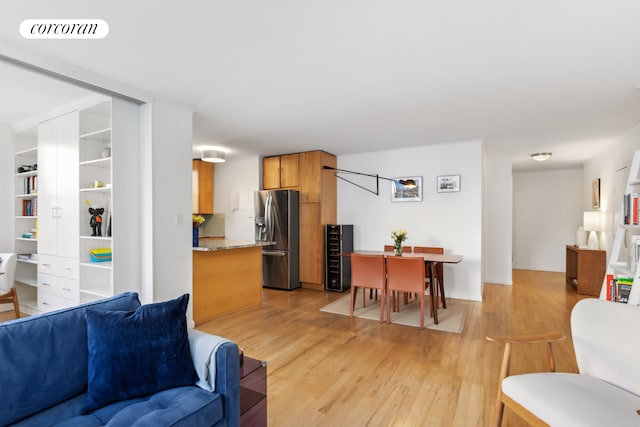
{"type": "Point", "coordinates": [585, 269]}
{"type": "Point", "coordinates": [311, 245]}
{"type": "Point", "coordinates": [289, 171]}
{"type": "Point", "coordinates": [202, 187]}
{"type": "Point", "coordinates": [271, 173]}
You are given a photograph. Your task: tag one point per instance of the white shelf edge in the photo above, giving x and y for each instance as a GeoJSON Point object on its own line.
{"type": "Point", "coordinates": [621, 268]}
{"type": "Point", "coordinates": [104, 238]}
{"type": "Point", "coordinates": [26, 239]}
{"type": "Point", "coordinates": [28, 261]}
{"type": "Point", "coordinates": [27, 196]}
{"type": "Point", "coordinates": [28, 282]}
{"type": "Point", "coordinates": [99, 265]}
{"type": "Point", "coordinates": [96, 162]}
{"type": "Point", "coordinates": [95, 132]}
{"type": "Point", "coordinates": [26, 216]}
{"type": "Point", "coordinates": [27, 151]}
{"type": "Point", "coordinates": [634, 182]}
{"type": "Point", "coordinates": [99, 292]}
{"type": "Point", "coordinates": [26, 174]}
{"type": "Point", "coordinates": [88, 190]}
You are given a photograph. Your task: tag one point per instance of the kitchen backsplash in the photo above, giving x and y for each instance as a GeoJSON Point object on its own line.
{"type": "Point", "coordinates": [213, 225]}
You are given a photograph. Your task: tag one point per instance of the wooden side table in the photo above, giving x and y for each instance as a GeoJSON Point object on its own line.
{"type": "Point", "coordinates": [585, 269]}
{"type": "Point", "coordinates": [253, 393]}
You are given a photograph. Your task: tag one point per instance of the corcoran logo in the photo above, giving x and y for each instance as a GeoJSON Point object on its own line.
{"type": "Point", "coordinates": [64, 29]}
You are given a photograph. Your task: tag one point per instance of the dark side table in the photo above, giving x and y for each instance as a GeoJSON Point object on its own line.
{"type": "Point", "coordinates": [253, 393]}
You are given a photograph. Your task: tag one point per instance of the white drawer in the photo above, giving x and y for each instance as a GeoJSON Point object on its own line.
{"type": "Point", "coordinates": [59, 266]}
{"type": "Point", "coordinates": [50, 302]}
{"type": "Point", "coordinates": [59, 286]}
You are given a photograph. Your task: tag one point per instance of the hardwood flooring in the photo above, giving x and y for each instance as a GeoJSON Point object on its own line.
{"type": "Point", "coordinates": [330, 370]}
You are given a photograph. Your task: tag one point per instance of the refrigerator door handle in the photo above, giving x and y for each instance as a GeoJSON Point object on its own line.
{"type": "Point", "coordinates": [274, 253]}
{"type": "Point", "coordinates": [269, 217]}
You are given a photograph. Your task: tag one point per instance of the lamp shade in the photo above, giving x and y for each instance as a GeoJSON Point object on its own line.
{"type": "Point", "coordinates": [213, 156]}
{"type": "Point", "coordinates": [591, 221]}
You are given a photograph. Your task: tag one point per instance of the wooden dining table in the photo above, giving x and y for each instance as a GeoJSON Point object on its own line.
{"type": "Point", "coordinates": [431, 260]}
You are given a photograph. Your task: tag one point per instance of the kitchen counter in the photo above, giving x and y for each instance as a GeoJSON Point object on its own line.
{"type": "Point", "coordinates": [217, 245]}
{"type": "Point", "coordinates": [227, 277]}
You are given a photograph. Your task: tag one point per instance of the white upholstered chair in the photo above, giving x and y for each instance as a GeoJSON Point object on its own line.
{"type": "Point", "coordinates": [605, 392]}
{"type": "Point", "coordinates": [8, 294]}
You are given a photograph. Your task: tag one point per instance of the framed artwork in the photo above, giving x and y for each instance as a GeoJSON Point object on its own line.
{"type": "Point", "coordinates": [406, 189]}
{"type": "Point", "coordinates": [595, 193]}
{"type": "Point", "coordinates": [448, 183]}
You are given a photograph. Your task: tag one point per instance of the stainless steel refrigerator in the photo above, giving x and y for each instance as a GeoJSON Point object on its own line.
{"type": "Point", "coordinates": [277, 220]}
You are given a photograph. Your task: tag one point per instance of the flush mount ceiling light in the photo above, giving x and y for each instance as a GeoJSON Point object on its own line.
{"type": "Point", "coordinates": [540, 157]}
{"type": "Point", "coordinates": [213, 156]}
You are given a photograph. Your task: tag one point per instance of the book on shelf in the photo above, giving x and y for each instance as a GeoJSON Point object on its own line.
{"type": "Point", "coordinates": [631, 209]}
{"type": "Point", "coordinates": [618, 289]}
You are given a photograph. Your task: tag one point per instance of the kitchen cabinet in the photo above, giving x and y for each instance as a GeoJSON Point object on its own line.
{"type": "Point", "coordinates": [318, 193]}
{"type": "Point", "coordinates": [202, 187]}
{"type": "Point", "coordinates": [281, 172]}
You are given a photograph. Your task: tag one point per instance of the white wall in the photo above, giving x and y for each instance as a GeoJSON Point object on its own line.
{"type": "Point", "coordinates": [171, 134]}
{"type": "Point", "coordinates": [6, 188]}
{"type": "Point", "coordinates": [547, 211]}
{"type": "Point", "coordinates": [235, 181]}
{"type": "Point", "coordinates": [450, 220]}
{"type": "Point", "coordinates": [498, 208]}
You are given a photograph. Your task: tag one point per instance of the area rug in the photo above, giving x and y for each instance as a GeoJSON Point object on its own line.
{"type": "Point", "coordinates": [450, 319]}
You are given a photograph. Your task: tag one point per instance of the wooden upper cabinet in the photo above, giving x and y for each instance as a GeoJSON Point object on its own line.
{"type": "Point", "coordinates": [202, 187]}
{"type": "Point", "coordinates": [271, 173]}
{"type": "Point", "coordinates": [316, 183]}
{"type": "Point", "coordinates": [281, 172]}
{"type": "Point", "coordinates": [289, 170]}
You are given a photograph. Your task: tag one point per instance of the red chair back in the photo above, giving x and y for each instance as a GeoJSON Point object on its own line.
{"type": "Point", "coordinates": [405, 249]}
{"type": "Point", "coordinates": [405, 274]}
{"type": "Point", "coordinates": [367, 271]}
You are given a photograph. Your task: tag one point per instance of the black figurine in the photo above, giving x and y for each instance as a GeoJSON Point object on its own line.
{"type": "Point", "coordinates": [96, 221]}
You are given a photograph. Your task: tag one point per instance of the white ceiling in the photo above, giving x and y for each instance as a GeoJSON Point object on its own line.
{"type": "Point", "coordinates": [346, 76]}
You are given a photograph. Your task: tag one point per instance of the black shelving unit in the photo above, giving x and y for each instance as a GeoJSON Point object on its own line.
{"type": "Point", "coordinates": [338, 239]}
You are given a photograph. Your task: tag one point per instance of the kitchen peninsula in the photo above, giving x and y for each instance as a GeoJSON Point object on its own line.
{"type": "Point", "coordinates": [227, 276]}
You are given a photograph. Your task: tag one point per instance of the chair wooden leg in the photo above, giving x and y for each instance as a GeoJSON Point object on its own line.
{"type": "Point", "coordinates": [16, 305]}
{"type": "Point", "coordinates": [504, 372]}
{"type": "Point", "coordinates": [422, 310]}
{"type": "Point", "coordinates": [354, 293]}
{"type": "Point", "coordinates": [381, 305]}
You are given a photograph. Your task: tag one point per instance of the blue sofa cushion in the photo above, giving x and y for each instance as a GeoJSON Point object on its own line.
{"type": "Point", "coordinates": [44, 357]}
{"type": "Point", "coordinates": [182, 406]}
{"type": "Point", "coordinates": [133, 354]}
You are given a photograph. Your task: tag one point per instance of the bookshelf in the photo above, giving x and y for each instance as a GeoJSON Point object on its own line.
{"type": "Point", "coordinates": [621, 262]}
{"type": "Point", "coordinates": [26, 218]}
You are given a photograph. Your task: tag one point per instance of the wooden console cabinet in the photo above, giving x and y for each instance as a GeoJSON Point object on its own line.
{"type": "Point", "coordinates": [585, 269]}
{"type": "Point", "coordinates": [253, 393]}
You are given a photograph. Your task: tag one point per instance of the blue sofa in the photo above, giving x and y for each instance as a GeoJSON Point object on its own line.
{"type": "Point", "coordinates": [43, 377]}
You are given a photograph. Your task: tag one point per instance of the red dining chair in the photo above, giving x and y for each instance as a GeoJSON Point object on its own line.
{"type": "Point", "coordinates": [367, 272]}
{"type": "Point", "coordinates": [406, 274]}
{"type": "Point", "coordinates": [405, 250]}
{"type": "Point", "coordinates": [438, 272]}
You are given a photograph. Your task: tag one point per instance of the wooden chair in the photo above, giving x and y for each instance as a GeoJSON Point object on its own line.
{"type": "Point", "coordinates": [438, 271]}
{"type": "Point", "coordinates": [406, 274]}
{"type": "Point", "coordinates": [367, 272]}
{"type": "Point", "coordinates": [605, 392]}
{"type": "Point", "coordinates": [8, 294]}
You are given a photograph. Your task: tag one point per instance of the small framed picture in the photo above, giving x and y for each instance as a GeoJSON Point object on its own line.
{"type": "Point", "coordinates": [448, 183]}
{"type": "Point", "coordinates": [595, 193]}
{"type": "Point", "coordinates": [406, 189]}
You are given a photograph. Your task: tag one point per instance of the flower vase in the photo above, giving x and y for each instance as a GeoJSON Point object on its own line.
{"type": "Point", "coordinates": [196, 237]}
{"type": "Point", "coordinates": [397, 251]}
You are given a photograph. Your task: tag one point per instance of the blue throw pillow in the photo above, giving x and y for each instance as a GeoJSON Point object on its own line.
{"type": "Point", "coordinates": [136, 353]}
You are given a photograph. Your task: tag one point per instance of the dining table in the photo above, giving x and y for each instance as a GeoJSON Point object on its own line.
{"type": "Point", "coordinates": [431, 260]}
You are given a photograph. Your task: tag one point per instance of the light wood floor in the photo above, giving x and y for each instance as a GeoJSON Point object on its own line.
{"type": "Point", "coordinates": [330, 370]}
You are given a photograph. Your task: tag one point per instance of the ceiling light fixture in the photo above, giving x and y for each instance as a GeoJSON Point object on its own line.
{"type": "Point", "coordinates": [540, 157]}
{"type": "Point", "coordinates": [213, 156]}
